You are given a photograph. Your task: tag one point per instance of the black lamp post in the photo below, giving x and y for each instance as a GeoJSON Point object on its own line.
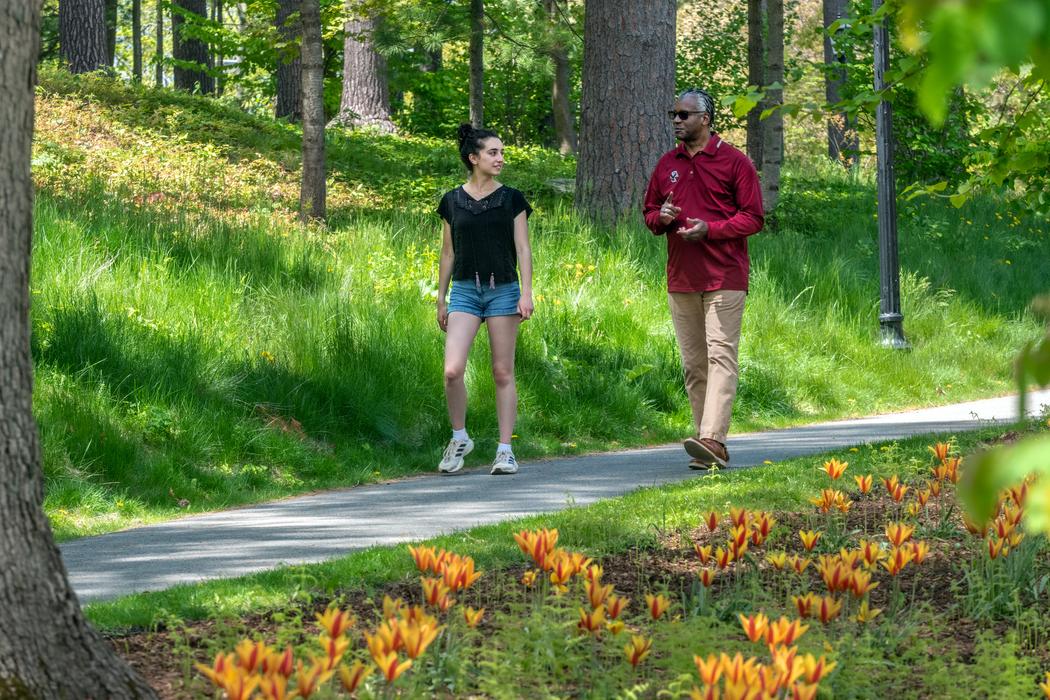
{"type": "Point", "coordinates": [890, 317]}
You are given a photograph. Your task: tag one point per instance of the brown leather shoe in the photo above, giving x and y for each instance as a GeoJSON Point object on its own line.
{"type": "Point", "coordinates": [706, 453]}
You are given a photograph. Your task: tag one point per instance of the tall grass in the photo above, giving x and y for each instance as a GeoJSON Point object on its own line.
{"type": "Point", "coordinates": [196, 348]}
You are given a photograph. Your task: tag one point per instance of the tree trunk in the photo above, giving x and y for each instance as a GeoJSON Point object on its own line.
{"type": "Point", "coordinates": [756, 74]}
{"type": "Point", "coordinates": [312, 193]}
{"type": "Point", "coordinates": [366, 96]}
{"type": "Point", "coordinates": [189, 49]}
{"type": "Point", "coordinates": [477, 63]}
{"type": "Point", "coordinates": [136, 40]}
{"type": "Point", "coordinates": [843, 141]}
{"type": "Point", "coordinates": [47, 649]}
{"type": "Point", "coordinates": [217, 57]}
{"type": "Point", "coordinates": [564, 129]}
{"type": "Point", "coordinates": [289, 67]}
{"type": "Point", "coordinates": [773, 126]}
{"type": "Point", "coordinates": [160, 44]}
{"type": "Point", "coordinates": [433, 61]}
{"type": "Point", "coordinates": [82, 34]}
{"type": "Point", "coordinates": [111, 32]}
{"type": "Point", "coordinates": [627, 87]}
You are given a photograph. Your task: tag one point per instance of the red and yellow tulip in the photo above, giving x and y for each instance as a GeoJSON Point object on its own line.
{"type": "Point", "coordinates": [335, 621]}
{"type": "Point", "coordinates": [638, 649]}
{"type": "Point", "coordinates": [709, 669]}
{"type": "Point", "coordinates": [804, 604]}
{"type": "Point", "coordinates": [739, 516]}
{"type": "Point", "coordinates": [528, 579]}
{"type": "Point", "coordinates": [723, 558]}
{"type": "Point", "coordinates": [707, 576]}
{"type": "Point", "coordinates": [308, 680]}
{"type": "Point", "coordinates": [898, 558]}
{"type": "Point", "coordinates": [777, 559]}
{"type": "Point", "coordinates": [799, 564]}
{"type": "Point", "coordinates": [333, 650]}
{"type": "Point", "coordinates": [615, 605]}
{"type": "Point", "coordinates": [866, 613]}
{"type": "Point", "coordinates": [919, 549]}
{"type": "Point", "coordinates": [352, 678]}
{"type": "Point", "coordinates": [827, 609]}
{"type": "Point", "coordinates": [597, 592]}
{"type": "Point", "coordinates": [592, 621]}
{"type": "Point", "coordinates": [390, 666]}
{"type": "Point", "coordinates": [863, 482]}
{"type": "Point", "coordinates": [657, 605]}
{"type": "Point", "coordinates": [899, 533]}
{"type": "Point", "coordinates": [816, 669]}
{"type": "Point", "coordinates": [809, 538]}
{"type": "Point", "coordinates": [711, 519]}
{"type": "Point", "coordinates": [784, 632]}
{"type": "Point", "coordinates": [834, 468]}
{"type": "Point", "coordinates": [754, 625]}
{"type": "Point", "coordinates": [940, 451]}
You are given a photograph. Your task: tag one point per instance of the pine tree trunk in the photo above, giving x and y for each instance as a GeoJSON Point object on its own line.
{"type": "Point", "coordinates": [628, 85]}
{"type": "Point", "coordinates": [136, 40]}
{"type": "Point", "coordinates": [477, 63]}
{"type": "Point", "coordinates": [773, 125]}
{"type": "Point", "coordinates": [195, 50]}
{"type": "Point", "coordinates": [111, 32]}
{"type": "Point", "coordinates": [312, 193]}
{"type": "Point", "coordinates": [47, 650]}
{"type": "Point", "coordinates": [756, 74]}
{"type": "Point", "coordinates": [843, 140]}
{"type": "Point", "coordinates": [160, 44]}
{"type": "Point", "coordinates": [564, 129]}
{"type": "Point", "coordinates": [82, 34]}
{"type": "Point", "coordinates": [217, 57]}
{"type": "Point", "coordinates": [289, 67]}
{"type": "Point", "coordinates": [366, 96]}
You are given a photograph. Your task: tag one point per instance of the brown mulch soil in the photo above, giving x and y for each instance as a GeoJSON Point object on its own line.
{"type": "Point", "coordinates": [165, 656]}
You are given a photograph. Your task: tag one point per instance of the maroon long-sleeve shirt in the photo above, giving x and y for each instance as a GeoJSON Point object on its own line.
{"type": "Point", "coordinates": [719, 185]}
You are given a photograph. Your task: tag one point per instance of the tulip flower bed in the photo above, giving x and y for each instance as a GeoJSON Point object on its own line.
{"type": "Point", "coordinates": [881, 587]}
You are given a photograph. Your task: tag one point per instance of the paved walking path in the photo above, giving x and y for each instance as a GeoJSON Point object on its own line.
{"type": "Point", "coordinates": [328, 525]}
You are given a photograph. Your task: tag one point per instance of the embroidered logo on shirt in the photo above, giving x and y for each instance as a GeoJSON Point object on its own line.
{"type": "Point", "coordinates": [674, 176]}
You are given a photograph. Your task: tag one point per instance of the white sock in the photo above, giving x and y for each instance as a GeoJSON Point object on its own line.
{"type": "Point", "coordinates": [504, 447]}
{"type": "Point", "coordinates": [460, 434]}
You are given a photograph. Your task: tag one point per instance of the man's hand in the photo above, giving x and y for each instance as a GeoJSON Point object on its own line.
{"type": "Point", "coordinates": [696, 230]}
{"type": "Point", "coordinates": [668, 211]}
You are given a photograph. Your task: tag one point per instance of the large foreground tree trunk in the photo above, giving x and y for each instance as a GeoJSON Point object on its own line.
{"type": "Point", "coordinates": [136, 40]}
{"type": "Point", "coordinates": [111, 32]}
{"type": "Point", "coordinates": [160, 45]}
{"type": "Point", "coordinates": [312, 194]}
{"type": "Point", "coordinates": [289, 67]}
{"type": "Point", "coordinates": [82, 34]}
{"type": "Point", "coordinates": [47, 650]}
{"type": "Point", "coordinates": [756, 74]}
{"type": "Point", "coordinates": [773, 125]}
{"type": "Point", "coordinates": [190, 49]}
{"type": "Point", "coordinates": [628, 86]}
{"type": "Point", "coordinates": [564, 126]}
{"type": "Point", "coordinates": [477, 63]}
{"type": "Point", "coordinates": [366, 95]}
{"type": "Point", "coordinates": [843, 141]}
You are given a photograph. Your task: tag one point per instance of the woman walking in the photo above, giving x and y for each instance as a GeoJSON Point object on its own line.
{"type": "Point", "coordinates": [485, 242]}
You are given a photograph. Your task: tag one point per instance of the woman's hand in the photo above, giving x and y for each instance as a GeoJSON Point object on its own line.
{"type": "Point", "coordinates": [442, 316]}
{"type": "Point", "coordinates": [525, 307]}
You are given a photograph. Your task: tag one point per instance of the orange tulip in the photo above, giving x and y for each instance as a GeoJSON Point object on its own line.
{"type": "Point", "coordinates": [974, 528]}
{"type": "Point", "coordinates": [836, 576]}
{"type": "Point", "coordinates": [809, 538]}
{"type": "Point", "coordinates": [251, 654]}
{"type": "Point", "coordinates": [923, 497]}
{"type": "Point", "coordinates": [754, 626]}
{"type": "Point", "coordinates": [422, 556]}
{"type": "Point", "coordinates": [828, 608]}
{"type": "Point", "coordinates": [899, 533]}
{"type": "Point", "coordinates": [863, 482]}
{"type": "Point", "coordinates": [919, 550]}
{"type": "Point", "coordinates": [216, 673]}
{"type": "Point", "coordinates": [851, 558]}
{"type": "Point", "coordinates": [940, 451]}
{"type": "Point", "coordinates": [709, 669]}
{"type": "Point", "coordinates": [712, 520]}
{"type": "Point", "coordinates": [472, 617]}
{"type": "Point", "coordinates": [898, 558]}
{"type": "Point", "coordinates": [737, 550]}
{"type": "Point", "coordinates": [935, 488]}
{"type": "Point", "coordinates": [352, 677]}
{"type": "Point", "coordinates": [637, 650]}
{"type": "Point", "coordinates": [417, 636]}
{"type": "Point", "coordinates": [239, 684]}
{"type": "Point", "coordinates": [834, 468]}
{"type": "Point", "coordinates": [594, 572]}
{"type": "Point", "coordinates": [953, 464]}
{"type": "Point", "coordinates": [657, 605]}
{"type": "Point", "coordinates": [280, 664]}
{"type": "Point", "coordinates": [707, 576]}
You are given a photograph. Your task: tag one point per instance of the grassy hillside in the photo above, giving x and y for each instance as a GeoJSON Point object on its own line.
{"type": "Point", "coordinates": [196, 348]}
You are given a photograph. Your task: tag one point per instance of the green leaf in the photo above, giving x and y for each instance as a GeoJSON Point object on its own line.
{"type": "Point", "coordinates": [999, 468]}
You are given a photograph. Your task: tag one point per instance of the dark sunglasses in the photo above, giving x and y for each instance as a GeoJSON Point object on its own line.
{"type": "Point", "coordinates": [681, 114]}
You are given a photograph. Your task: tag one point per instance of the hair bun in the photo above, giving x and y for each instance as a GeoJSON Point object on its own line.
{"type": "Point", "coordinates": [465, 132]}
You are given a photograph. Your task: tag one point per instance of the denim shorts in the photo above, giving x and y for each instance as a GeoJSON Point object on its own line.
{"type": "Point", "coordinates": [499, 301]}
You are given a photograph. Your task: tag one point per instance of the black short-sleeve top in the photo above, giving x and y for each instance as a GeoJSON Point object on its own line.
{"type": "Point", "coordinates": [483, 234]}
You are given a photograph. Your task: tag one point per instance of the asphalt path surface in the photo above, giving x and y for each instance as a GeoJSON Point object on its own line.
{"type": "Point", "coordinates": [332, 524]}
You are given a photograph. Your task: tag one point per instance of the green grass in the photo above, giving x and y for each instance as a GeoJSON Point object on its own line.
{"type": "Point", "coordinates": [194, 345]}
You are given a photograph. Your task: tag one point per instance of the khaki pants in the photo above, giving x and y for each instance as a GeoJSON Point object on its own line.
{"type": "Point", "coordinates": [707, 325]}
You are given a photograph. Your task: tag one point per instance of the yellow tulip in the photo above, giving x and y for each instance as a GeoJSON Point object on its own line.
{"type": "Point", "coordinates": [866, 613]}
{"type": "Point", "coordinates": [778, 559]}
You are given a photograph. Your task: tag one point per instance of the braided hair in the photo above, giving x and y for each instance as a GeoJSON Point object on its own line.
{"type": "Point", "coordinates": [471, 141]}
{"type": "Point", "coordinates": [704, 102]}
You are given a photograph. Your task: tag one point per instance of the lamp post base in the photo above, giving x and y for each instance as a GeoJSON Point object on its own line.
{"type": "Point", "coordinates": [891, 332]}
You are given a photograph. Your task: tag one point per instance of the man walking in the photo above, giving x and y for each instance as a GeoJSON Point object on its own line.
{"type": "Point", "coordinates": [705, 197]}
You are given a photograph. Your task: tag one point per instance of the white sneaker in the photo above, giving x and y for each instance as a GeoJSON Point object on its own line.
{"type": "Point", "coordinates": [452, 460]}
{"type": "Point", "coordinates": [504, 463]}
